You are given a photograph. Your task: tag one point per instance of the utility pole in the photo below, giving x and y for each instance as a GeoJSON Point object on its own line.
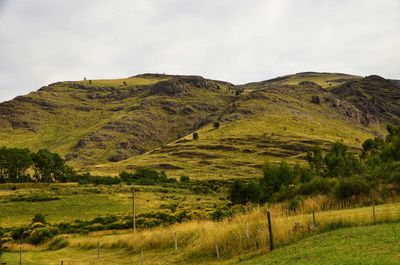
{"type": "Point", "coordinates": [134, 208]}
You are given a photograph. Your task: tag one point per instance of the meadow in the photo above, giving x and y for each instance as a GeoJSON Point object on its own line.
{"type": "Point", "coordinates": [68, 202]}
{"type": "Point", "coordinates": [238, 239]}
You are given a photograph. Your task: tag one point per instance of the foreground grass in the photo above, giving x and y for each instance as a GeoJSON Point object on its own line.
{"type": "Point", "coordinates": [373, 245]}
{"type": "Point", "coordinates": [235, 238]}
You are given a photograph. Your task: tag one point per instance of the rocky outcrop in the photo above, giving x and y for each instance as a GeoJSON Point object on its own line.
{"type": "Point", "coordinates": [181, 86]}
{"type": "Point", "coordinates": [377, 98]}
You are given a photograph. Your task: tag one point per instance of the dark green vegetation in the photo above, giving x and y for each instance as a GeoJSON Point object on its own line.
{"type": "Point", "coordinates": [47, 166]}
{"type": "Point", "coordinates": [39, 230]}
{"type": "Point", "coordinates": [337, 171]}
{"type": "Point", "coordinates": [371, 245]}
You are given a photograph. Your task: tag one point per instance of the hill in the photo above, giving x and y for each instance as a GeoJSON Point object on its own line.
{"type": "Point", "coordinates": [106, 126]}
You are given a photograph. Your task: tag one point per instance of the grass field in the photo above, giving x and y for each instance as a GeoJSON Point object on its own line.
{"type": "Point", "coordinates": [87, 202]}
{"type": "Point", "coordinates": [371, 245]}
{"type": "Point", "coordinates": [238, 239]}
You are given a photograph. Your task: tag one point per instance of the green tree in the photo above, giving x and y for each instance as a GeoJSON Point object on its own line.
{"type": "Point", "coordinates": [315, 159]}
{"type": "Point", "coordinates": [341, 163]}
{"type": "Point", "coordinates": [372, 146]}
{"type": "Point", "coordinates": [275, 176]}
{"type": "Point", "coordinates": [48, 166]}
{"type": "Point", "coordinates": [242, 193]}
{"type": "Point", "coordinates": [14, 162]}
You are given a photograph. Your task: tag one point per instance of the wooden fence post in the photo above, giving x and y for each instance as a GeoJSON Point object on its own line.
{"type": "Point", "coordinates": [142, 258]}
{"type": "Point", "coordinates": [313, 218]}
{"type": "Point", "coordinates": [98, 250]}
{"type": "Point", "coordinates": [62, 262]}
{"type": "Point", "coordinates": [217, 251]}
{"type": "Point", "coordinates": [176, 241]}
{"type": "Point", "coordinates": [20, 254]}
{"type": "Point", "coordinates": [373, 212]}
{"type": "Point", "coordinates": [271, 240]}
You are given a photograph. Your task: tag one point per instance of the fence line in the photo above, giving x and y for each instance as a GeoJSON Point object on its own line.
{"type": "Point", "coordinates": [228, 238]}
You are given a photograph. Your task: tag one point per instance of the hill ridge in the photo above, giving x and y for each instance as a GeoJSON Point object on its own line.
{"type": "Point", "coordinates": [101, 122]}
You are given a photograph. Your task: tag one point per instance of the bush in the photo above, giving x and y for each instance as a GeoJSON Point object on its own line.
{"type": "Point", "coordinates": [242, 193]}
{"type": "Point", "coordinates": [295, 203]}
{"type": "Point", "coordinates": [219, 214]}
{"type": "Point", "coordinates": [57, 242]}
{"type": "Point", "coordinates": [184, 179]}
{"type": "Point", "coordinates": [195, 136]}
{"type": "Point", "coordinates": [39, 218]}
{"type": "Point", "coordinates": [349, 187]}
{"type": "Point", "coordinates": [315, 99]}
{"type": "Point", "coordinates": [317, 185]}
{"type": "Point", "coordinates": [216, 125]}
{"type": "Point", "coordinates": [40, 235]}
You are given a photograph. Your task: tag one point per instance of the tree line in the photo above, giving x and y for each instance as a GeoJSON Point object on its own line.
{"type": "Point", "coordinates": [338, 172]}
{"type": "Point", "coordinates": [22, 165]}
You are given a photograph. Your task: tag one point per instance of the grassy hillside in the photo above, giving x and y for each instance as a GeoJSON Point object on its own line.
{"type": "Point", "coordinates": [109, 120]}
{"type": "Point", "coordinates": [325, 80]}
{"type": "Point", "coordinates": [106, 126]}
{"type": "Point", "coordinates": [274, 124]}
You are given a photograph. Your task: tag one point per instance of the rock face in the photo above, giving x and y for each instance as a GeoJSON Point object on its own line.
{"type": "Point", "coordinates": [181, 86]}
{"type": "Point", "coordinates": [309, 84]}
{"type": "Point", "coordinates": [377, 98]}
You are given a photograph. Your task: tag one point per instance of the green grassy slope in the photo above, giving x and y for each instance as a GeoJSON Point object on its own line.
{"type": "Point", "coordinates": [105, 126]}
{"type": "Point", "coordinates": [325, 80]}
{"type": "Point", "coordinates": [372, 245]}
{"type": "Point", "coordinates": [273, 124]}
{"type": "Point", "coordinates": [108, 120]}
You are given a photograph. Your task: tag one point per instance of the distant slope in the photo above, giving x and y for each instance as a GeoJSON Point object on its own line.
{"type": "Point", "coordinates": [264, 124]}
{"type": "Point", "coordinates": [109, 120]}
{"type": "Point", "coordinates": [325, 80]}
{"type": "Point", "coordinates": [376, 97]}
{"type": "Point", "coordinates": [372, 245]}
{"type": "Point", "coordinates": [106, 126]}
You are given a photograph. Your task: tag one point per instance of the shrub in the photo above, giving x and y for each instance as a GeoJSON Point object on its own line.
{"type": "Point", "coordinates": [184, 179]}
{"type": "Point", "coordinates": [216, 125]}
{"type": "Point", "coordinates": [39, 218]}
{"type": "Point", "coordinates": [317, 185]}
{"type": "Point", "coordinates": [57, 242]}
{"type": "Point", "coordinates": [295, 203]}
{"type": "Point", "coordinates": [195, 136]}
{"type": "Point", "coordinates": [315, 100]}
{"type": "Point", "coordinates": [40, 235]}
{"type": "Point", "coordinates": [242, 193]}
{"type": "Point", "coordinates": [349, 187]}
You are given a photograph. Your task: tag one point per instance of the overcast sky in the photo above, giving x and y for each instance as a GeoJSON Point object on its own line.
{"type": "Point", "coordinates": [45, 41]}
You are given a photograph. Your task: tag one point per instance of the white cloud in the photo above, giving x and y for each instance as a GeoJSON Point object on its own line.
{"type": "Point", "coordinates": [44, 41]}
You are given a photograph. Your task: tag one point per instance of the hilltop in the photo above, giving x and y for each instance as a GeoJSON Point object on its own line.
{"type": "Point", "coordinates": [106, 126]}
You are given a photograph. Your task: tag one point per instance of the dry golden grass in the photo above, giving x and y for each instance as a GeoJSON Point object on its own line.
{"type": "Point", "coordinates": [242, 234]}
{"type": "Point", "coordinates": [237, 238]}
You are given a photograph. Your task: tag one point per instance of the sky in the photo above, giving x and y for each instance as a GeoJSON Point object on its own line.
{"type": "Point", "coordinates": [46, 41]}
